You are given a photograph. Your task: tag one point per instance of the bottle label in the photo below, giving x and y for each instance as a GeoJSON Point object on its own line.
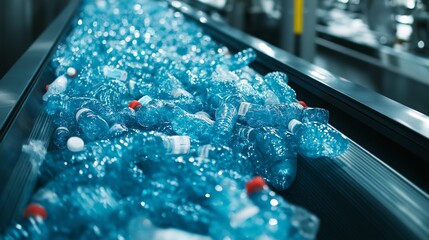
{"type": "Point", "coordinates": [179, 144]}
{"type": "Point", "coordinates": [243, 109]}
{"type": "Point", "coordinates": [204, 116]}
{"type": "Point", "coordinates": [145, 100]}
{"type": "Point", "coordinates": [82, 110]}
{"type": "Point", "coordinates": [115, 73]}
{"type": "Point", "coordinates": [203, 151]}
{"type": "Point", "coordinates": [180, 92]}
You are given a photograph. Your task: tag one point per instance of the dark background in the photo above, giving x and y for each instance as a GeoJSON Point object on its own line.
{"type": "Point", "coordinates": [21, 22]}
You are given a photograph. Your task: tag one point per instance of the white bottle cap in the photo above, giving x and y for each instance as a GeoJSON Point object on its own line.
{"type": "Point", "coordinates": [71, 72]}
{"type": "Point", "coordinates": [81, 111]}
{"type": "Point", "coordinates": [75, 144]}
{"type": "Point", "coordinates": [292, 124]}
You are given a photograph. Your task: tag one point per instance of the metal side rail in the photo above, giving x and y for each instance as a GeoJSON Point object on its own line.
{"type": "Point", "coordinates": [393, 132]}
{"type": "Point", "coordinates": [22, 117]}
{"type": "Point", "coordinates": [357, 196]}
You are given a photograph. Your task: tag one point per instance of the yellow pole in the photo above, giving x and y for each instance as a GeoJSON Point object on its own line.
{"type": "Point", "coordinates": [298, 25]}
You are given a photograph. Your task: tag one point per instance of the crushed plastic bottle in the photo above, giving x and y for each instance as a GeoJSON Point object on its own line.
{"type": "Point", "coordinates": [316, 139]}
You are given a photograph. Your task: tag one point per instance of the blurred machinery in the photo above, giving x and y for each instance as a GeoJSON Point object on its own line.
{"type": "Point", "coordinates": [21, 21]}
{"type": "Point", "coordinates": [387, 38]}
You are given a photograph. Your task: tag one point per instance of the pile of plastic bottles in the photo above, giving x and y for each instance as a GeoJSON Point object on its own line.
{"type": "Point", "coordinates": [161, 133]}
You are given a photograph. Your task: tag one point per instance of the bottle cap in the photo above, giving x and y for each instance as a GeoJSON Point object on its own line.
{"type": "Point", "coordinates": [47, 87]}
{"type": "Point", "coordinates": [71, 72]}
{"type": "Point", "coordinates": [134, 104]}
{"type": "Point", "coordinates": [255, 184]}
{"type": "Point", "coordinates": [292, 124]}
{"type": "Point", "coordinates": [35, 209]}
{"type": "Point", "coordinates": [75, 144]}
{"type": "Point", "coordinates": [303, 104]}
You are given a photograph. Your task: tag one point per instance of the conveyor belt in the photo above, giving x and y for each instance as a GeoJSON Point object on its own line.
{"type": "Point", "coordinates": [356, 195]}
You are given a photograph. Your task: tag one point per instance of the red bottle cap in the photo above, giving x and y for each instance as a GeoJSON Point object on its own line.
{"type": "Point", "coordinates": [255, 184]}
{"type": "Point", "coordinates": [134, 104]}
{"type": "Point", "coordinates": [34, 209]}
{"type": "Point", "coordinates": [303, 104]}
{"type": "Point", "coordinates": [47, 87]}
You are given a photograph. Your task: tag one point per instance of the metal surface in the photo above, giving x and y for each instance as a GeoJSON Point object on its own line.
{"type": "Point", "coordinates": [16, 82]}
{"type": "Point", "coordinates": [22, 118]}
{"type": "Point", "coordinates": [399, 61]}
{"type": "Point", "coordinates": [302, 43]}
{"type": "Point", "coordinates": [404, 123]}
{"type": "Point", "coordinates": [356, 195]}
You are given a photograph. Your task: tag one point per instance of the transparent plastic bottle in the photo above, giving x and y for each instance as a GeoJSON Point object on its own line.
{"type": "Point", "coordinates": [315, 139]}
{"type": "Point", "coordinates": [276, 221]}
{"type": "Point", "coordinates": [59, 85]}
{"type": "Point", "coordinates": [60, 137]}
{"type": "Point", "coordinates": [223, 158]}
{"type": "Point", "coordinates": [279, 115]}
{"type": "Point", "coordinates": [114, 73]}
{"type": "Point", "coordinates": [111, 93]}
{"type": "Point", "coordinates": [226, 117]}
{"type": "Point", "coordinates": [33, 226]}
{"type": "Point", "coordinates": [241, 59]}
{"type": "Point", "coordinates": [278, 83]}
{"type": "Point", "coordinates": [93, 126]}
{"type": "Point", "coordinates": [279, 162]}
{"type": "Point", "coordinates": [185, 123]}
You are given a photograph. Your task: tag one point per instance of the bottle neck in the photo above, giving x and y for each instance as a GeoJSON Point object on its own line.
{"type": "Point", "coordinates": [294, 125]}
{"type": "Point", "coordinates": [246, 133]}
{"type": "Point", "coordinates": [243, 109]}
{"type": "Point", "coordinates": [80, 112]}
{"type": "Point", "coordinates": [145, 100]}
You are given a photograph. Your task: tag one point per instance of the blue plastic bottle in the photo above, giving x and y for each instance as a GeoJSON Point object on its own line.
{"type": "Point", "coordinates": [191, 125]}
{"type": "Point", "coordinates": [114, 73]}
{"type": "Point", "coordinates": [303, 224]}
{"type": "Point", "coordinates": [241, 59]}
{"type": "Point", "coordinates": [226, 117]}
{"type": "Point", "coordinates": [278, 83]}
{"type": "Point", "coordinates": [33, 227]}
{"type": "Point", "coordinates": [278, 164]}
{"type": "Point", "coordinates": [169, 87]}
{"type": "Point", "coordinates": [60, 137]}
{"type": "Point", "coordinates": [223, 158]}
{"type": "Point", "coordinates": [58, 86]}
{"type": "Point", "coordinates": [277, 222]}
{"type": "Point", "coordinates": [315, 139]}
{"type": "Point", "coordinates": [93, 126]}
{"type": "Point", "coordinates": [315, 115]}
{"type": "Point", "coordinates": [111, 93]}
